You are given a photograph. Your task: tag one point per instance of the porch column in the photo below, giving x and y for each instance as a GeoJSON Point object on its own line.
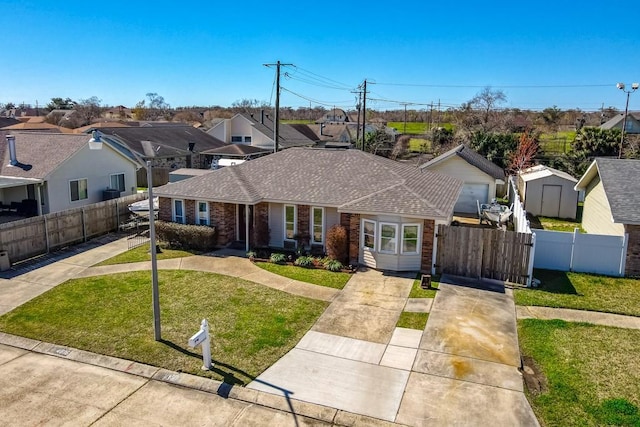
{"type": "Point", "coordinates": [246, 226]}
{"type": "Point", "coordinates": [39, 198]}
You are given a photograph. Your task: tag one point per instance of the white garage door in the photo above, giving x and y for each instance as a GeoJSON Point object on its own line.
{"type": "Point", "coordinates": [470, 194]}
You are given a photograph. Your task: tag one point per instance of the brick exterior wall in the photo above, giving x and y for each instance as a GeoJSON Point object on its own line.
{"type": "Point", "coordinates": [223, 217]}
{"type": "Point", "coordinates": [261, 225]}
{"type": "Point", "coordinates": [190, 211]}
{"type": "Point", "coordinates": [344, 220]}
{"type": "Point", "coordinates": [304, 217]}
{"type": "Point", "coordinates": [354, 238]}
{"type": "Point", "coordinates": [428, 230]}
{"type": "Point", "coordinates": [632, 266]}
{"type": "Point", "coordinates": [164, 205]}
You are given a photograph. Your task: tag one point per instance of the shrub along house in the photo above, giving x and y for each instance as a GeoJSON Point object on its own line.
{"type": "Point", "coordinates": [292, 197]}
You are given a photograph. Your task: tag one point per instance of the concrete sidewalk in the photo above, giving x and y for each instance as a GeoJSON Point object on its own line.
{"type": "Point", "coordinates": [42, 383]}
{"type": "Point", "coordinates": [570, 315]}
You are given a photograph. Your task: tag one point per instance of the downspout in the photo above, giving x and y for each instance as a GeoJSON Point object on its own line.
{"type": "Point", "coordinates": [39, 197]}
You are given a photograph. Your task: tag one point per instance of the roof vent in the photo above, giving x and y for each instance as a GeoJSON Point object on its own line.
{"type": "Point", "coordinates": [11, 141]}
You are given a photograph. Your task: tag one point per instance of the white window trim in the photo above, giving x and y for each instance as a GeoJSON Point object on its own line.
{"type": "Point", "coordinates": [79, 199]}
{"type": "Point", "coordinates": [207, 215]}
{"type": "Point", "coordinates": [394, 225]}
{"type": "Point", "coordinates": [417, 239]}
{"type": "Point", "coordinates": [173, 211]}
{"type": "Point", "coordinates": [124, 181]}
{"type": "Point", "coordinates": [375, 232]}
{"type": "Point", "coordinates": [295, 222]}
{"type": "Point", "coordinates": [313, 224]}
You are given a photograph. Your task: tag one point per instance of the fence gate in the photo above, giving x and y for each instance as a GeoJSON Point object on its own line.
{"type": "Point", "coordinates": [483, 252]}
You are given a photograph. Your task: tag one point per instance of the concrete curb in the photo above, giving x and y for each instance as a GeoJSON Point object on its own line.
{"type": "Point", "coordinates": [273, 401]}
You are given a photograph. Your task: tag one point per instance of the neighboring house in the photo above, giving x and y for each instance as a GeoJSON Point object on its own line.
{"type": "Point", "coordinates": [334, 116]}
{"type": "Point", "coordinates": [54, 172]}
{"type": "Point", "coordinates": [185, 173]}
{"type": "Point", "coordinates": [118, 113]}
{"type": "Point", "coordinates": [390, 210]}
{"type": "Point", "coordinates": [632, 126]}
{"type": "Point", "coordinates": [324, 134]}
{"type": "Point", "coordinates": [481, 177]}
{"type": "Point", "coordinates": [100, 125]}
{"type": "Point", "coordinates": [8, 121]}
{"type": "Point", "coordinates": [612, 203]}
{"type": "Point", "coordinates": [548, 192]}
{"type": "Point", "coordinates": [257, 130]}
{"type": "Point", "coordinates": [171, 147]}
{"type": "Point", "coordinates": [39, 127]}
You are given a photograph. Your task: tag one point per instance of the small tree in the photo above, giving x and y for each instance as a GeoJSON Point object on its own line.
{"type": "Point", "coordinates": [524, 155]}
{"type": "Point", "coordinates": [337, 243]}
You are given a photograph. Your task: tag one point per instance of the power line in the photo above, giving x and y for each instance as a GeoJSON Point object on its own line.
{"type": "Point", "coordinates": [315, 101]}
{"type": "Point", "coordinates": [494, 86]}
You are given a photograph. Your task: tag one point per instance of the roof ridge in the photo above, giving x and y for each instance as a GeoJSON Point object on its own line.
{"type": "Point", "coordinates": [245, 185]}
{"type": "Point", "coordinates": [365, 197]}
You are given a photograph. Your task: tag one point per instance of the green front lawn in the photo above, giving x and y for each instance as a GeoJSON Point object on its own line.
{"type": "Point", "coordinates": [412, 320]}
{"type": "Point", "coordinates": [141, 253]}
{"type": "Point", "coordinates": [315, 276]}
{"type": "Point", "coordinates": [592, 372]}
{"type": "Point", "coordinates": [583, 292]}
{"type": "Point", "coordinates": [252, 326]}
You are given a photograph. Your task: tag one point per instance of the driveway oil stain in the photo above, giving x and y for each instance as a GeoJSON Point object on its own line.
{"type": "Point", "coordinates": [461, 368]}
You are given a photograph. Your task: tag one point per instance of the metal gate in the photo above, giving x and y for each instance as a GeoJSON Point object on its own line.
{"type": "Point", "coordinates": [483, 253]}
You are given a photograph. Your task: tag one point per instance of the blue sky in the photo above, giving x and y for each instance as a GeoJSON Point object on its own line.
{"type": "Point", "coordinates": [212, 52]}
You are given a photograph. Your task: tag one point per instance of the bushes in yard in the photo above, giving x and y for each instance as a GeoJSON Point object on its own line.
{"type": "Point", "coordinates": [183, 236]}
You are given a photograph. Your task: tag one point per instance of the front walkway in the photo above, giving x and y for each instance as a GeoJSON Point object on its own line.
{"type": "Point", "coordinates": [570, 315]}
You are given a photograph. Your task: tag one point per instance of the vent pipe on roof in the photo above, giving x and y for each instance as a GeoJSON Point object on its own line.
{"type": "Point", "coordinates": [262, 116]}
{"type": "Point", "coordinates": [11, 141]}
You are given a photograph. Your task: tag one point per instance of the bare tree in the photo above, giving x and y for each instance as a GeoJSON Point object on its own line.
{"type": "Point", "coordinates": [87, 110]}
{"type": "Point", "coordinates": [524, 155]}
{"type": "Point", "coordinates": [485, 104]}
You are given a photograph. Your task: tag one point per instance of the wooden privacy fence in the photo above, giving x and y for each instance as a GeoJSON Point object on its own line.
{"type": "Point", "coordinates": [484, 253]}
{"type": "Point", "coordinates": [42, 234]}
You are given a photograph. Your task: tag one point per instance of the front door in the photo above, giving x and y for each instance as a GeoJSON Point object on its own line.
{"type": "Point", "coordinates": [242, 222]}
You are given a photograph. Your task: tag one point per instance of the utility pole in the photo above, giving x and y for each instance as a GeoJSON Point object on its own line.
{"type": "Point", "coordinates": [405, 118]}
{"type": "Point", "coordinates": [438, 113]}
{"type": "Point", "coordinates": [276, 115]}
{"type": "Point", "coordinates": [364, 114]}
{"type": "Point", "coordinates": [358, 108]}
{"type": "Point", "coordinates": [430, 115]}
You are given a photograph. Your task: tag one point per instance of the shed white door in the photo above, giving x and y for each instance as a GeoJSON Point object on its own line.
{"type": "Point", "coordinates": [470, 194]}
{"type": "Point", "coordinates": [551, 201]}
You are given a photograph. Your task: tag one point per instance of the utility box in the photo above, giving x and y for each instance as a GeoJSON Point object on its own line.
{"type": "Point", "coordinates": [5, 264]}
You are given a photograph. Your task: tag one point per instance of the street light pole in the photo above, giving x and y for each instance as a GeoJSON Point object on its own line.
{"type": "Point", "coordinates": [154, 257]}
{"type": "Point", "coordinates": [621, 86]}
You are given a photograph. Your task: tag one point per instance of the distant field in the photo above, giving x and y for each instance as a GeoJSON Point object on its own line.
{"type": "Point", "coordinates": [559, 142]}
{"type": "Point", "coordinates": [412, 127]}
{"type": "Point", "coordinates": [297, 122]}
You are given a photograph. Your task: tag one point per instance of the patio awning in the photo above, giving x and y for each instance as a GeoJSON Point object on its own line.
{"type": "Point", "coordinates": [10, 181]}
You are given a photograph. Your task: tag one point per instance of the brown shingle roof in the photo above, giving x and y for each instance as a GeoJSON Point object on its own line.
{"type": "Point", "coordinates": [45, 152]}
{"type": "Point", "coordinates": [351, 180]}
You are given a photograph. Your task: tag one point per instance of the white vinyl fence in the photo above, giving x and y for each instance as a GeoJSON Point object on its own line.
{"type": "Point", "coordinates": [520, 221]}
{"type": "Point", "coordinates": [585, 253]}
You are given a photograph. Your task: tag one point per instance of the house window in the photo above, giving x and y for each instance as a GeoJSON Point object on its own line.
{"type": "Point", "coordinates": [410, 238]}
{"type": "Point", "coordinates": [369, 232]}
{"type": "Point", "coordinates": [117, 182]}
{"type": "Point", "coordinates": [203, 213]}
{"type": "Point", "coordinates": [388, 238]}
{"type": "Point", "coordinates": [317, 224]}
{"type": "Point", "coordinates": [236, 139]}
{"type": "Point", "coordinates": [78, 189]}
{"type": "Point", "coordinates": [178, 211]}
{"type": "Point", "coordinates": [247, 139]}
{"type": "Point", "coordinates": [289, 222]}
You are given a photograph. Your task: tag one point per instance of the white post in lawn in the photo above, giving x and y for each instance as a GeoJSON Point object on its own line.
{"type": "Point", "coordinates": [154, 257]}
{"type": "Point", "coordinates": [202, 338]}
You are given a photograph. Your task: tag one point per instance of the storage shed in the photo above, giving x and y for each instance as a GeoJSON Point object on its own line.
{"type": "Point", "coordinates": [548, 192]}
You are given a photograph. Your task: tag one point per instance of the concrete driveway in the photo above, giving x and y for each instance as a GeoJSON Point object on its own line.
{"type": "Point", "coordinates": [461, 370]}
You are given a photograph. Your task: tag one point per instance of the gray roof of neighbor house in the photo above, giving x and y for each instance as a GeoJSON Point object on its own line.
{"type": "Point", "coordinates": [616, 122]}
{"type": "Point", "coordinates": [236, 150]}
{"type": "Point", "coordinates": [471, 157]}
{"type": "Point", "coordinates": [288, 135]}
{"type": "Point", "coordinates": [620, 179]}
{"type": "Point", "coordinates": [351, 180]}
{"type": "Point", "coordinates": [45, 152]}
{"type": "Point", "coordinates": [167, 141]}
